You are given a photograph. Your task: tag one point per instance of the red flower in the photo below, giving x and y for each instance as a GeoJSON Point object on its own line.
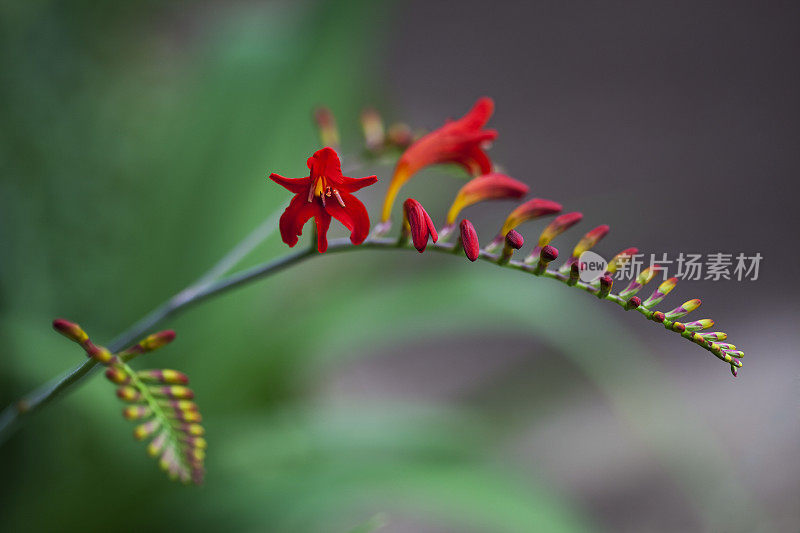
{"type": "Point", "coordinates": [460, 141]}
{"type": "Point", "coordinates": [322, 195]}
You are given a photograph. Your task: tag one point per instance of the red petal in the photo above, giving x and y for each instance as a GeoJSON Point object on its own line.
{"type": "Point", "coordinates": [353, 184]}
{"type": "Point", "coordinates": [295, 216]}
{"type": "Point", "coordinates": [295, 185]}
{"type": "Point", "coordinates": [477, 162]}
{"type": "Point", "coordinates": [353, 215]}
{"type": "Point", "coordinates": [325, 162]}
{"type": "Point", "coordinates": [323, 220]}
{"type": "Point", "coordinates": [479, 115]}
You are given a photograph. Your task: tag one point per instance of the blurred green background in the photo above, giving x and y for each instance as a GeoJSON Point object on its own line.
{"type": "Point", "coordinates": [385, 389]}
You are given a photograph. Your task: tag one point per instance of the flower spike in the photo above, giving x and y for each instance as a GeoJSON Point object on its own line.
{"type": "Point", "coordinates": [325, 193]}
{"type": "Point", "coordinates": [158, 408]}
{"type": "Point", "coordinates": [460, 141]}
{"type": "Point", "coordinates": [418, 224]}
{"type": "Point", "coordinates": [492, 186]}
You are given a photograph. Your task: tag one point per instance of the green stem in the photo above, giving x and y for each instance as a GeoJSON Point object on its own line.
{"type": "Point", "coordinates": [196, 294]}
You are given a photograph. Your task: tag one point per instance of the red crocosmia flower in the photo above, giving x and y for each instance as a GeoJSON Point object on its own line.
{"type": "Point", "coordinates": [459, 141]}
{"type": "Point", "coordinates": [322, 195]}
{"type": "Point", "coordinates": [417, 222]}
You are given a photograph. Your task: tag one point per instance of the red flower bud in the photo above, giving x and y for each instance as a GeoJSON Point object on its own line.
{"type": "Point", "coordinates": [117, 375]}
{"type": "Point", "coordinates": [514, 239]}
{"type": "Point", "coordinates": [469, 240]}
{"type": "Point", "coordinates": [70, 330]}
{"type": "Point", "coordinates": [156, 340]}
{"type": "Point", "coordinates": [548, 254]}
{"type": "Point", "coordinates": [633, 303]}
{"type": "Point", "coordinates": [419, 223]}
{"type": "Point", "coordinates": [606, 282]}
{"type": "Point", "coordinates": [574, 274]}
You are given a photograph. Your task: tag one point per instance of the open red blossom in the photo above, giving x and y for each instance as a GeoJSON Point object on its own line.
{"type": "Point", "coordinates": [325, 193]}
{"type": "Point", "coordinates": [459, 141]}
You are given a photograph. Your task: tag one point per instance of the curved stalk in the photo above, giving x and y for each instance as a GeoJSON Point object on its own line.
{"type": "Point", "coordinates": [201, 292]}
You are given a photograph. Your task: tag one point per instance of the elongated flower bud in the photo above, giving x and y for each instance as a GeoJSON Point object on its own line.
{"type": "Point", "coordinates": [606, 282]}
{"type": "Point", "coordinates": [587, 242]}
{"type": "Point", "coordinates": [620, 259]}
{"type": "Point", "coordinates": [163, 376]}
{"type": "Point", "coordinates": [684, 309]}
{"type": "Point", "coordinates": [574, 274]}
{"type": "Point", "coordinates": [419, 224]}
{"type": "Point", "coordinates": [195, 442]}
{"type": "Point", "coordinates": [372, 125]}
{"type": "Point", "coordinates": [492, 186]}
{"type": "Point", "coordinates": [530, 210]}
{"type": "Point", "coordinates": [156, 445]}
{"type": "Point", "coordinates": [186, 416]}
{"type": "Point", "coordinates": [173, 392]}
{"type": "Point", "coordinates": [70, 330]}
{"type": "Point", "coordinates": [644, 277]}
{"type": "Point", "coordinates": [136, 412]}
{"type": "Point", "coordinates": [182, 405]}
{"type": "Point", "coordinates": [558, 226]}
{"type": "Point", "coordinates": [101, 354]}
{"type": "Point", "coordinates": [660, 292]}
{"type": "Point", "coordinates": [328, 132]}
{"type": "Point", "coordinates": [117, 375]}
{"type": "Point", "coordinates": [469, 240]}
{"type": "Point", "coordinates": [154, 341]}
{"type": "Point", "coordinates": [699, 324]}
{"type": "Point", "coordinates": [127, 393]}
{"type": "Point", "coordinates": [514, 241]}
{"type": "Point", "coordinates": [142, 431]}
{"type": "Point", "coordinates": [193, 430]}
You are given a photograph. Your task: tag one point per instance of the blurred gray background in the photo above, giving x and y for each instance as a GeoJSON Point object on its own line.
{"type": "Point", "coordinates": [677, 123]}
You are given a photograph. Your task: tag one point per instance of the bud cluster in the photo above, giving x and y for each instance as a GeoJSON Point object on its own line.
{"type": "Point", "coordinates": [158, 400]}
